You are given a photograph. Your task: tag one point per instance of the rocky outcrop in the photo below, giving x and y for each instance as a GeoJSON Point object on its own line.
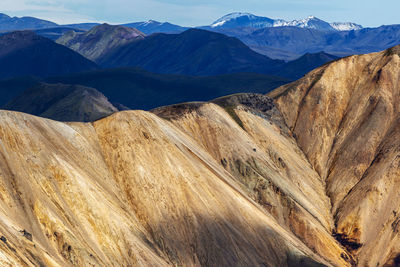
{"type": "Point", "coordinates": [345, 118]}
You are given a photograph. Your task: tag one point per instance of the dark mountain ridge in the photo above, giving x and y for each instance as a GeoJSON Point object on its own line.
{"type": "Point", "coordinates": [297, 68]}
{"type": "Point", "coordinates": [63, 103]}
{"type": "Point", "coordinates": [26, 53]}
{"type": "Point", "coordinates": [193, 52]}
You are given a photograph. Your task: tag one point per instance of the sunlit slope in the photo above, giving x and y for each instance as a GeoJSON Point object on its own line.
{"type": "Point", "coordinates": [131, 189]}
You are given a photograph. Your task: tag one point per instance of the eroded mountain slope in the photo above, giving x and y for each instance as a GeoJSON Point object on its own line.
{"type": "Point", "coordinates": [131, 189]}
{"type": "Point", "coordinates": [345, 118]}
{"type": "Point", "coordinates": [254, 146]}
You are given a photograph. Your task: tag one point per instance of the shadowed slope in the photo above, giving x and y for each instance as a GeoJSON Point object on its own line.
{"type": "Point", "coordinates": [193, 52]}
{"type": "Point", "coordinates": [63, 103]}
{"type": "Point", "coordinates": [25, 53]}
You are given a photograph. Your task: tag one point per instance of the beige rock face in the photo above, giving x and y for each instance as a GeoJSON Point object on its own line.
{"type": "Point", "coordinates": [345, 117]}
{"type": "Point", "coordinates": [269, 167]}
{"type": "Point", "coordinates": [131, 189]}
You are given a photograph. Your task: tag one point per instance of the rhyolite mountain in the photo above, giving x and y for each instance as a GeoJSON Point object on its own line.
{"type": "Point", "coordinates": [345, 117]}
{"type": "Point", "coordinates": [307, 175]}
{"type": "Point", "coordinates": [193, 52]}
{"type": "Point", "coordinates": [8, 23]}
{"type": "Point", "coordinates": [26, 53]}
{"type": "Point", "coordinates": [136, 189]}
{"type": "Point", "coordinates": [139, 89]}
{"type": "Point", "coordinates": [63, 103]}
{"type": "Point", "coordinates": [97, 42]}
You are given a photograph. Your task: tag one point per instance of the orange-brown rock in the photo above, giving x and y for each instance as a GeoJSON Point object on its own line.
{"type": "Point", "coordinates": [345, 117]}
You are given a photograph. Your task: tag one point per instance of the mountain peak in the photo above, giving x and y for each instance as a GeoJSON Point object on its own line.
{"type": "Point", "coordinates": [100, 39]}
{"type": "Point", "coordinates": [242, 19]}
{"type": "Point", "coordinates": [153, 22]}
{"type": "Point", "coordinates": [26, 53]}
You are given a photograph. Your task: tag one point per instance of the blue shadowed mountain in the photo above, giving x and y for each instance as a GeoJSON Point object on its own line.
{"type": "Point", "coordinates": [26, 53]}
{"type": "Point", "coordinates": [193, 52]}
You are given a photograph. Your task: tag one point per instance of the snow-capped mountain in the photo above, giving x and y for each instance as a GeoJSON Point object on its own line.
{"type": "Point", "coordinates": [239, 19]}
{"type": "Point", "coordinates": [248, 20]}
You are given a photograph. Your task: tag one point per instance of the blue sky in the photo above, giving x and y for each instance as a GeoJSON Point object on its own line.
{"type": "Point", "coordinates": [196, 13]}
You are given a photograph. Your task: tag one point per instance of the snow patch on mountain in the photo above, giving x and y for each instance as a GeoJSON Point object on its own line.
{"type": "Point", "coordinates": [346, 26]}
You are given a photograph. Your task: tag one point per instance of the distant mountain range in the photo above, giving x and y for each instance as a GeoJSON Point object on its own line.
{"type": "Point", "coordinates": [275, 38]}
{"type": "Point", "coordinates": [295, 41]}
{"type": "Point", "coordinates": [247, 20]}
{"type": "Point", "coordinates": [193, 52]}
{"type": "Point", "coordinates": [233, 20]}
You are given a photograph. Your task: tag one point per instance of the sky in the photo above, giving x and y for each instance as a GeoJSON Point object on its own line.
{"type": "Point", "coordinates": [369, 13]}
